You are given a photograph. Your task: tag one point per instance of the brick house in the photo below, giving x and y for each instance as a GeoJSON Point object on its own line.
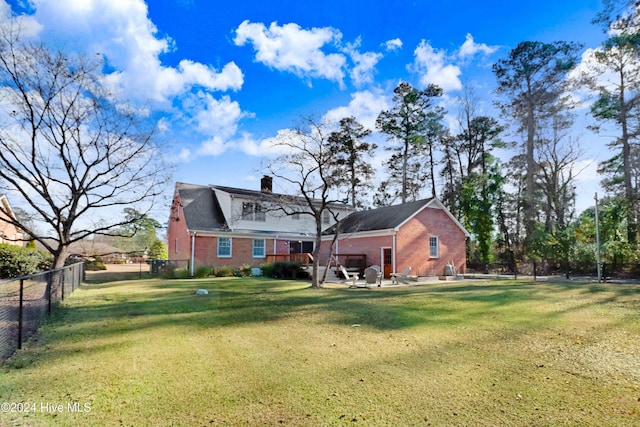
{"type": "Point", "coordinates": [422, 235]}
{"type": "Point", "coordinates": [215, 226]}
{"type": "Point", "coordinates": [9, 233]}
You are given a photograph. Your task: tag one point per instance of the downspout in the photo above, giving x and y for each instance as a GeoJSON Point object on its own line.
{"type": "Point", "coordinates": [193, 252]}
{"type": "Point", "coordinates": [393, 252]}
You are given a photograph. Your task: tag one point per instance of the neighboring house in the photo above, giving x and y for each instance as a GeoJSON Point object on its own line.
{"type": "Point", "coordinates": [90, 249]}
{"type": "Point", "coordinates": [217, 226]}
{"type": "Point", "coordinates": [422, 235]}
{"type": "Point", "coordinates": [9, 233]}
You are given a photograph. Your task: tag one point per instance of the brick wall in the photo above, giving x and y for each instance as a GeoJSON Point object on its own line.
{"type": "Point", "coordinates": [178, 239]}
{"type": "Point", "coordinates": [369, 246]}
{"type": "Point", "coordinates": [412, 243]}
{"type": "Point", "coordinates": [9, 234]}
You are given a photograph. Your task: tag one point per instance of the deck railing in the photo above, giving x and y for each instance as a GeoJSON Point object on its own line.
{"type": "Point", "coordinates": [351, 262]}
{"type": "Point", "coordinates": [304, 259]}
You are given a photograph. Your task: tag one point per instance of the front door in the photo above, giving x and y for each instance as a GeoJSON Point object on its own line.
{"type": "Point", "coordinates": [387, 262]}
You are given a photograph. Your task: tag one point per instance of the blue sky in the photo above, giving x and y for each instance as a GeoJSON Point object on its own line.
{"type": "Point", "coordinates": [224, 78]}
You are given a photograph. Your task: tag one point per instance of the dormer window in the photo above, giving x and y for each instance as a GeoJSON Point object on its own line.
{"type": "Point", "coordinates": [253, 212]}
{"type": "Point", "coordinates": [326, 217]}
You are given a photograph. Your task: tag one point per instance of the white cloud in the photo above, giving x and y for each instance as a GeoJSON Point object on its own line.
{"type": "Point", "coordinates": [184, 154]}
{"type": "Point", "coordinates": [29, 26]}
{"type": "Point", "coordinates": [395, 44]}
{"type": "Point", "coordinates": [469, 48]}
{"type": "Point", "coordinates": [365, 64]}
{"type": "Point", "coordinates": [123, 34]}
{"type": "Point", "coordinates": [217, 117]}
{"type": "Point", "coordinates": [365, 106]}
{"type": "Point", "coordinates": [293, 49]}
{"type": "Point", "coordinates": [267, 146]}
{"type": "Point", "coordinates": [214, 146]}
{"type": "Point", "coordinates": [432, 66]}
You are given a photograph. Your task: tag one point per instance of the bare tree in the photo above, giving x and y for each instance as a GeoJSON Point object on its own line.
{"type": "Point", "coordinates": [68, 148]}
{"type": "Point", "coordinates": [307, 167]}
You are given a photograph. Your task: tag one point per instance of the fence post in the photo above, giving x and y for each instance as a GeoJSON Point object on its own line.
{"type": "Point", "coordinates": [48, 275]}
{"type": "Point", "coordinates": [20, 313]}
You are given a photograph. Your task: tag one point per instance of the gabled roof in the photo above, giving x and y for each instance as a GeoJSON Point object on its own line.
{"type": "Point", "coordinates": [201, 208]}
{"type": "Point", "coordinates": [260, 195]}
{"type": "Point", "coordinates": [385, 218]}
{"type": "Point", "coordinates": [388, 217]}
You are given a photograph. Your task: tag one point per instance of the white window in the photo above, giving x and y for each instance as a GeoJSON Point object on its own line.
{"type": "Point", "coordinates": [326, 218]}
{"type": "Point", "coordinates": [224, 247]}
{"type": "Point", "coordinates": [253, 212]}
{"type": "Point", "coordinates": [433, 247]}
{"type": "Point", "coordinates": [259, 248]}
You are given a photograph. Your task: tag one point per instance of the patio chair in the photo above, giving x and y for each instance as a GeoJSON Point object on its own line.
{"type": "Point", "coordinates": [373, 275]}
{"type": "Point", "coordinates": [400, 277]}
{"type": "Point", "coordinates": [350, 276]}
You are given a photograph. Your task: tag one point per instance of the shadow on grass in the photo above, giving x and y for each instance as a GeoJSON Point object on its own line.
{"type": "Point", "coordinates": [115, 309]}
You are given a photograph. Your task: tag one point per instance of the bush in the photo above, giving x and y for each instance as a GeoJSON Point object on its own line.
{"type": "Point", "coordinates": [245, 270]}
{"type": "Point", "coordinates": [282, 270]}
{"type": "Point", "coordinates": [181, 273]}
{"type": "Point", "coordinates": [202, 272]}
{"type": "Point", "coordinates": [167, 271]}
{"type": "Point", "coordinates": [224, 271]}
{"type": "Point", "coordinates": [18, 261]}
{"type": "Point", "coordinates": [95, 264]}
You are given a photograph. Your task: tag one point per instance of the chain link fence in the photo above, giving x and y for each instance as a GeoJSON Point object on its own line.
{"type": "Point", "coordinates": [26, 302]}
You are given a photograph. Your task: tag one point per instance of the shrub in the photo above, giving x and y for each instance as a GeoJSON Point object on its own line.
{"type": "Point", "coordinates": [95, 264]}
{"type": "Point", "coordinates": [245, 270]}
{"type": "Point", "coordinates": [167, 271]}
{"type": "Point", "coordinates": [18, 261]}
{"type": "Point", "coordinates": [181, 273]}
{"type": "Point", "coordinates": [267, 269]}
{"type": "Point", "coordinates": [202, 272]}
{"type": "Point", "coordinates": [282, 270]}
{"type": "Point", "coordinates": [224, 271]}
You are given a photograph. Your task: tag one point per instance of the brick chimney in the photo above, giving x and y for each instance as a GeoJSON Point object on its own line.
{"type": "Point", "coordinates": [266, 184]}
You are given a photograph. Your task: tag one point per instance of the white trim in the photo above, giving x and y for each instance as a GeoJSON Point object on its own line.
{"type": "Point", "coordinates": [361, 234]}
{"type": "Point", "coordinates": [264, 248]}
{"type": "Point", "coordinates": [193, 253]}
{"type": "Point", "coordinates": [230, 247]}
{"type": "Point", "coordinates": [437, 256]}
{"type": "Point", "coordinates": [393, 253]}
{"type": "Point", "coordinates": [249, 234]}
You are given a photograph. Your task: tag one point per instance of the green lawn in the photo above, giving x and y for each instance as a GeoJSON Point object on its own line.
{"type": "Point", "coordinates": [264, 352]}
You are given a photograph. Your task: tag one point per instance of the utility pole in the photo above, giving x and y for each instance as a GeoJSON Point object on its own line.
{"type": "Point", "coordinates": [598, 242]}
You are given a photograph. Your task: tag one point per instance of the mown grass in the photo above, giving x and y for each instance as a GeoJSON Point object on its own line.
{"type": "Point", "coordinates": [264, 352]}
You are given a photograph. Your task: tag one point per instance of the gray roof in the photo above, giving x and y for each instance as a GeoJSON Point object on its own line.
{"type": "Point", "coordinates": [201, 208]}
{"type": "Point", "coordinates": [385, 218]}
